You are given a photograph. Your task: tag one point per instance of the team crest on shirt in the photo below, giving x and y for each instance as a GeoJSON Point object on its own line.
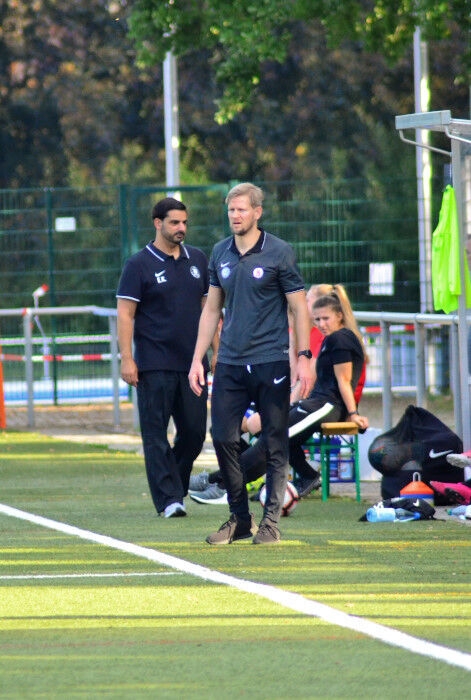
{"type": "Point", "coordinates": [195, 272]}
{"type": "Point", "coordinates": [258, 273]}
{"type": "Point", "coordinates": [225, 272]}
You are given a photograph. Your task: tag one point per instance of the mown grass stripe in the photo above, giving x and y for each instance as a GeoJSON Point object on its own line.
{"type": "Point", "coordinates": [289, 600]}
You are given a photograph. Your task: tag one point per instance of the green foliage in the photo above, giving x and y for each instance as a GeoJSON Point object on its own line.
{"type": "Point", "coordinates": [242, 36]}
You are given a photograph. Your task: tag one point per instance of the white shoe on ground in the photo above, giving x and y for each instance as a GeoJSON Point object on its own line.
{"type": "Point", "coordinates": [175, 510]}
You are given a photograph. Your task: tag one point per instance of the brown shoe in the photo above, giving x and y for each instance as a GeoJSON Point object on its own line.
{"type": "Point", "coordinates": [233, 529]}
{"type": "Point", "coordinates": [267, 533]}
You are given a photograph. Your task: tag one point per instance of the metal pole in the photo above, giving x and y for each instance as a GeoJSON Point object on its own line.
{"type": "Point", "coordinates": [424, 173]}
{"type": "Point", "coordinates": [29, 371]}
{"type": "Point", "coordinates": [419, 336]}
{"type": "Point", "coordinates": [457, 169]}
{"type": "Point", "coordinates": [386, 369]}
{"type": "Point", "coordinates": [113, 327]}
{"type": "Point", "coordinates": [172, 138]}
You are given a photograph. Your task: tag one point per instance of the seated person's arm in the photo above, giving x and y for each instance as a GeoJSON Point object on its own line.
{"type": "Point", "coordinates": [343, 374]}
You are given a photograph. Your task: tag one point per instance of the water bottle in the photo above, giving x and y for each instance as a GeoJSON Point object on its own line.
{"type": "Point", "coordinates": [379, 514]}
{"type": "Point", "coordinates": [334, 454]}
{"type": "Point", "coordinates": [459, 510]}
{"type": "Point", "coordinates": [345, 464]}
{"type": "Point", "coordinates": [405, 515]}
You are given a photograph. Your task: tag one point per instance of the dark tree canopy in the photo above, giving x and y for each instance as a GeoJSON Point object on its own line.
{"type": "Point", "coordinates": [241, 36]}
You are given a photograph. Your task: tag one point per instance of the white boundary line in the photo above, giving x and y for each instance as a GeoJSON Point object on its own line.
{"type": "Point", "coordinates": [293, 601]}
{"type": "Point", "coordinates": [35, 577]}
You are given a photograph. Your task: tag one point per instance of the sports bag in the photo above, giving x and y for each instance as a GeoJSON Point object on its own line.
{"type": "Point", "coordinates": [419, 441]}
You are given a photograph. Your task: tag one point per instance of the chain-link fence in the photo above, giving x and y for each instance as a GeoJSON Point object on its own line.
{"type": "Point", "coordinates": [74, 240]}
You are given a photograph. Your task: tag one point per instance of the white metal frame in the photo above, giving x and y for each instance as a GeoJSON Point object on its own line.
{"type": "Point", "coordinates": [459, 133]}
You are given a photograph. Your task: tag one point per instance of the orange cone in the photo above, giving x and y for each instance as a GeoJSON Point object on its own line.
{"type": "Point", "coordinates": [417, 489]}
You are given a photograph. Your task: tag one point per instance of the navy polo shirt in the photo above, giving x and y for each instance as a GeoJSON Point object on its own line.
{"type": "Point", "coordinates": [169, 294]}
{"type": "Point", "coordinates": [255, 328]}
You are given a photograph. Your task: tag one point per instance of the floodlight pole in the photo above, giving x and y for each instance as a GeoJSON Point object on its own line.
{"type": "Point", "coordinates": [424, 173]}
{"type": "Point", "coordinates": [172, 138]}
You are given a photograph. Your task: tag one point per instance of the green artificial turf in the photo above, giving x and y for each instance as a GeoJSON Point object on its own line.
{"type": "Point", "coordinates": [132, 628]}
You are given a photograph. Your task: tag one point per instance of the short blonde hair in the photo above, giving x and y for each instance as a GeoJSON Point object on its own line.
{"type": "Point", "coordinates": [254, 193]}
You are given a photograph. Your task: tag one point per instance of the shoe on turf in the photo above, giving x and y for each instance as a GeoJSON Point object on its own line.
{"type": "Point", "coordinates": [255, 486]}
{"type": "Point", "coordinates": [198, 482]}
{"type": "Point", "coordinates": [268, 533]}
{"type": "Point", "coordinates": [306, 484]}
{"type": "Point", "coordinates": [214, 495]}
{"type": "Point", "coordinates": [457, 493]}
{"type": "Point", "coordinates": [233, 529]}
{"type": "Point", "coordinates": [459, 460]}
{"type": "Point", "coordinates": [175, 510]}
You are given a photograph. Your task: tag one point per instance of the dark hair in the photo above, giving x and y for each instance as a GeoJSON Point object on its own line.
{"type": "Point", "coordinates": [162, 207]}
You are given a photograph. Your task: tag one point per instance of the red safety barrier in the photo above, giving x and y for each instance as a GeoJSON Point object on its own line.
{"type": "Point", "coordinates": [90, 357]}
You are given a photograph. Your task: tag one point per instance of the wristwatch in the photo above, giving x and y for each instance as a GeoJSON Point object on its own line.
{"type": "Point", "coordinates": [306, 353]}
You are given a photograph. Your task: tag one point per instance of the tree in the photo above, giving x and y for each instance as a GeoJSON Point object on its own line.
{"type": "Point", "coordinates": [71, 93]}
{"type": "Point", "coordinates": [242, 36]}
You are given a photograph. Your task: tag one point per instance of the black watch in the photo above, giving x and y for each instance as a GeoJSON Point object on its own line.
{"type": "Point", "coordinates": [306, 353]}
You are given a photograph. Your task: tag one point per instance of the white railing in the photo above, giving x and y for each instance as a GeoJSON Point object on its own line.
{"type": "Point", "coordinates": [407, 356]}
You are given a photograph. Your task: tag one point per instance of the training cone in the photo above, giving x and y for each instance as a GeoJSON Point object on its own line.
{"type": "Point", "coordinates": [417, 489]}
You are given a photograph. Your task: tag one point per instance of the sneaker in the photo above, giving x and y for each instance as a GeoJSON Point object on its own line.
{"type": "Point", "coordinates": [306, 484]}
{"type": "Point", "coordinates": [457, 493]}
{"type": "Point", "coordinates": [198, 482]}
{"type": "Point", "coordinates": [214, 495]}
{"type": "Point", "coordinates": [175, 510]}
{"type": "Point", "coordinates": [233, 529]}
{"type": "Point", "coordinates": [255, 486]}
{"type": "Point", "coordinates": [267, 533]}
{"type": "Point", "coordinates": [459, 460]}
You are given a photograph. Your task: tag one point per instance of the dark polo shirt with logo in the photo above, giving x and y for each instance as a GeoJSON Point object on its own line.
{"type": "Point", "coordinates": [168, 293]}
{"type": "Point", "coordinates": [255, 328]}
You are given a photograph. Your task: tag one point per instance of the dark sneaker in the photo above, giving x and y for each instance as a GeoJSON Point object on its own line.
{"type": "Point", "coordinates": [233, 529]}
{"type": "Point", "coordinates": [267, 533]}
{"type": "Point", "coordinates": [305, 485]}
{"type": "Point", "coordinates": [214, 495]}
{"type": "Point", "coordinates": [198, 482]}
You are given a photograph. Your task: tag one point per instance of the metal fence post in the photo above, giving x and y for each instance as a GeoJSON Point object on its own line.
{"type": "Point", "coordinates": [113, 326]}
{"type": "Point", "coordinates": [29, 372]}
{"type": "Point", "coordinates": [419, 335]}
{"type": "Point", "coordinates": [386, 370]}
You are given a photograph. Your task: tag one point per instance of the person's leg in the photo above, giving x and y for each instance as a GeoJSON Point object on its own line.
{"type": "Point", "coordinates": [273, 403]}
{"type": "Point", "coordinates": [229, 401]}
{"type": "Point", "coordinates": [155, 392]}
{"type": "Point", "coordinates": [253, 460]}
{"type": "Point", "coordinates": [305, 418]}
{"type": "Point", "coordinates": [189, 415]}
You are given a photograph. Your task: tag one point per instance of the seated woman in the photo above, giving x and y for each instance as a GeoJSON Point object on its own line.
{"type": "Point", "coordinates": [338, 369]}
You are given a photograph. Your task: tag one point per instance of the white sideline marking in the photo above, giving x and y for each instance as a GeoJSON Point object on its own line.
{"type": "Point", "coordinates": [294, 601]}
{"type": "Point", "coordinates": [34, 577]}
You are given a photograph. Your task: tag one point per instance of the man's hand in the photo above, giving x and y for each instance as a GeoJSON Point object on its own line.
{"type": "Point", "coordinates": [196, 377]}
{"type": "Point", "coordinates": [129, 371]}
{"type": "Point", "coordinates": [305, 378]}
